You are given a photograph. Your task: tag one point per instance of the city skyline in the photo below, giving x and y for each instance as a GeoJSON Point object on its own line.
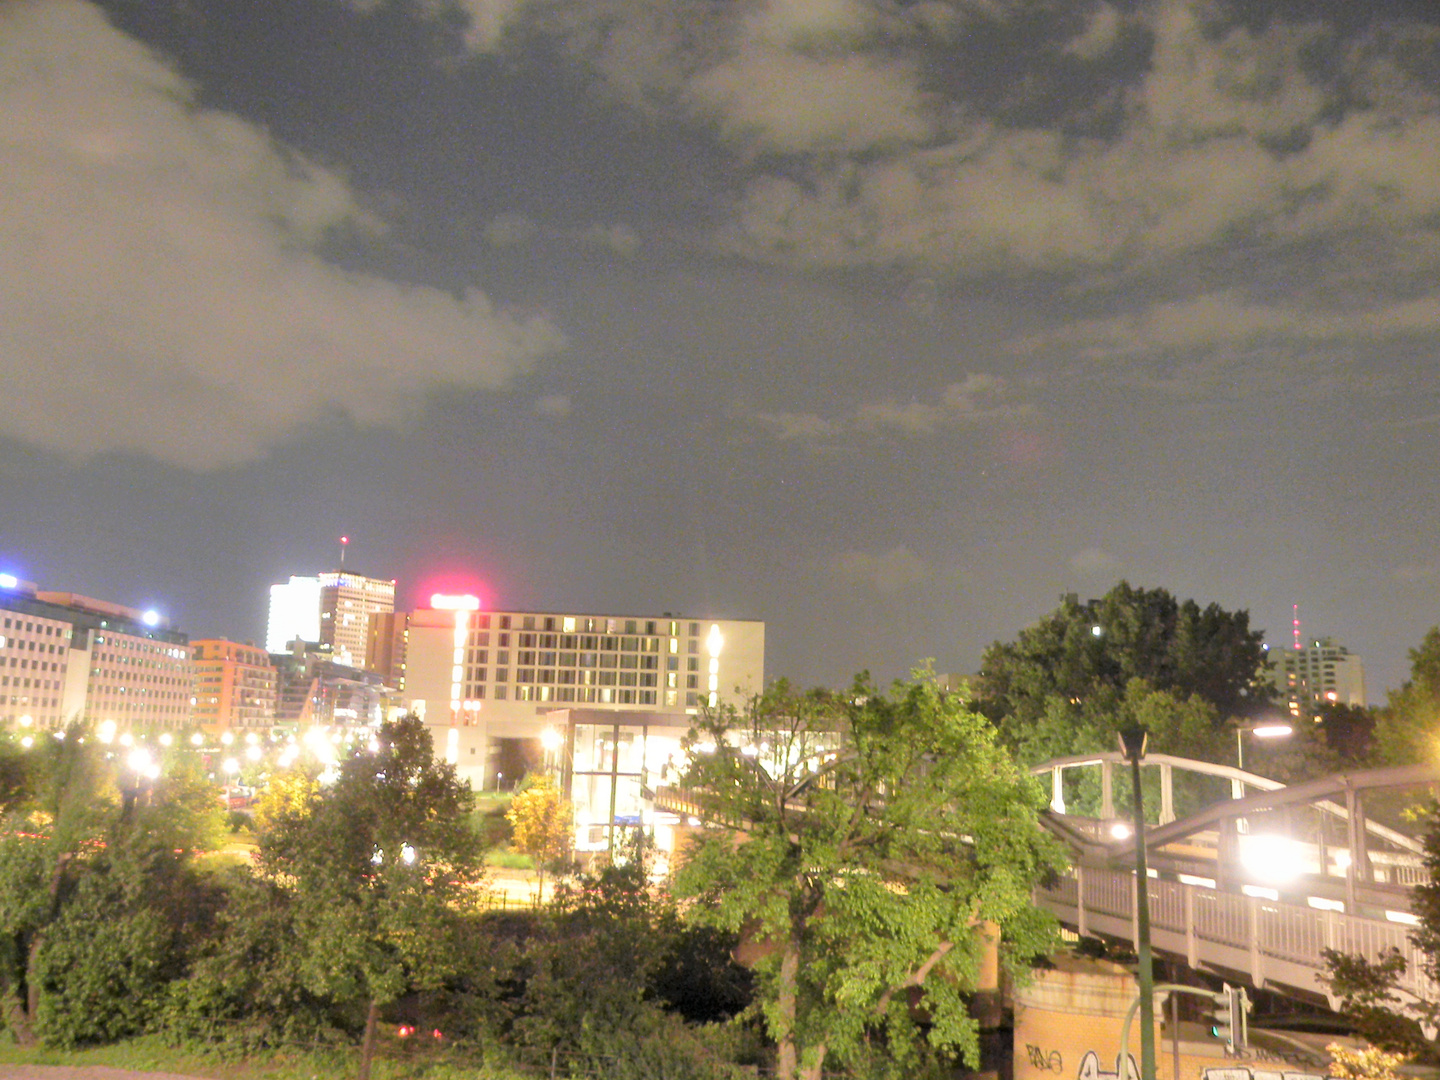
{"type": "Point", "coordinates": [886, 324]}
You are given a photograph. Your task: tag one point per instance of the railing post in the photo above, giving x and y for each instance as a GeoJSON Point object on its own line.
{"type": "Point", "coordinates": [1057, 790]}
{"type": "Point", "coordinates": [1107, 790]}
{"type": "Point", "coordinates": [1167, 794]}
{"type": "Point", "coordinates": [1082, 924]}
{"type": "Point", "coordinates": [1257, 958]}
{"type": "Point", "coordinates": [1192, 940]}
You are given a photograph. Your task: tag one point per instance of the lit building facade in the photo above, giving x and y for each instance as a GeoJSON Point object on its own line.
{"type": "Point", "coordinates": [489, 676]}
{"type": "Point", "coordinates": [347, 603]}
{"type": "Point", "coordinates": [1317, 672]}
{"type": "Point", "coordinates": [312, 688]}
{"type": "Point", "coordinates": [332, 609]}
{"type": "Point", "coordinates": [34, 659]}
{"type": "Point", "coordinates": [235, 685]}
{"type": "Point", "coordinates": [294, 613]}
{"type": "Point", "coordinates": [110, 663]}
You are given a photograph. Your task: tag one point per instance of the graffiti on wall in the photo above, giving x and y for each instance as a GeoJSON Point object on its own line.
{"type": "Point", "coordinates": [1091, 1069]}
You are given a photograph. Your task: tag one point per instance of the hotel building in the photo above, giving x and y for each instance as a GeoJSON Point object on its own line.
{"type": "Point", "coordinates": [484, 678]}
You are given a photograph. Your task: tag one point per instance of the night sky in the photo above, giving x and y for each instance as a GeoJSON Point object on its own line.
{"type": "Point", "coordinates": [884, 322]}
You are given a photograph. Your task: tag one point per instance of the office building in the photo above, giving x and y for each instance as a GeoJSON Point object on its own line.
{"type": "Point", "coordinates": [347, 603]}
{"type": "Point", "coordinates": [235, 685]}
{"type": "Point", "coordinates": [332, 609]}
{"type": "Point", "coordinates": [1317, 671]}
{"type": "Point", "coordinates": [386, 643]}
{"type": "Point", "coordinates": [294, 613]}
{"type": "Point", "coordinates": [108, 663]}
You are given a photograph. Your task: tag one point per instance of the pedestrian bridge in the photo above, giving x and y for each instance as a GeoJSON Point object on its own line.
{"type": "Point", "coordinates": [1248, 877]}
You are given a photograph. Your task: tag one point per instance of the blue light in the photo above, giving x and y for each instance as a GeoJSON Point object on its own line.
{"type": "Point", "coordinates": [9, 581]}
{"type": "Point", "coordinates": [151, 618]}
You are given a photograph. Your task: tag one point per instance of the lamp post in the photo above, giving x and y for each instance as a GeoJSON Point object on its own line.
{"type": "Point", "coordinates": [1273, 729]}
{"type": "Point", "coordinates": [1132, 745]}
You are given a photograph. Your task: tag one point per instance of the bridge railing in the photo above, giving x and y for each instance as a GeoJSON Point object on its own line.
{"type": "Point", "coordinates": [1272, 941]}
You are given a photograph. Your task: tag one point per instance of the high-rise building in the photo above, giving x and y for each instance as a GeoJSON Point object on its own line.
{"type": "Point", "coordinates": [234, 685]}
{"type": "Point", "coordinates": [489, 676]}
{"type": "Point", "coordinates": [385, 647]}
{"type": "Point", "coordinates": [333, 609]}
{"type": "Point", "coordinates": [347, 603]}
{"type": "Point", "coordinates": [74, 657]}
{"type": "Point", "coordinates": [294, 613]}
{"type": "Point", "coordinates": [1315, 672]}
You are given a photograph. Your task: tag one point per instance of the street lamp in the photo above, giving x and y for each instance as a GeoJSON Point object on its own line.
{"type": "Point", "coordinates": [1132, 745]}
{"type": "Point", "coordinates": [1269, 729]}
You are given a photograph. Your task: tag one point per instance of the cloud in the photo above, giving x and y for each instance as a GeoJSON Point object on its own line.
{"type": "Point", "coordinates": [554, 406]}
{"type": "Point", "coordinates": [163, 292]}
{"type": "Point", "coordinates": [977, 398]}
{"type": "Point", "coordinates": [1229, 319]}
{"type": "Point", "coordinates": [1094, 562]}
{"type": "Point", "coordinates": [889, 572]}
{"type": "Point", "coordinates": [1101, 34]}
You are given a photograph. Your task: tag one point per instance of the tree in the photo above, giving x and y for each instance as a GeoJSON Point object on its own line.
{"type": "Point", "coordinates": [378, 868]}
{"type": "Point", "coordinates": [1405, 730]}
{"type": "Point", "coordinates": [1367, 988]}
{"type": "Point", "coordinates": [861, 841]}
{"type": "Point", "coordinates": [1368, 1064]}
{"type": "Point", "coordinates": [1088, 653]}
{"type": "Point", "coordinates": [98, 898]}
{"type": "Point", "coordinates": [542, 823]}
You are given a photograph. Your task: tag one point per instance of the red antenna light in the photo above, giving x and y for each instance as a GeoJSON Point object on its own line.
{"type": "Point", "coordinates": [344, 543]}
{"type": "Point", "coordinates": [1297, 626]}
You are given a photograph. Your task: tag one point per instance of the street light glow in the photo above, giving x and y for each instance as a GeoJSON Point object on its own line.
{"type": "Point", "coordinates": [1272, 731]}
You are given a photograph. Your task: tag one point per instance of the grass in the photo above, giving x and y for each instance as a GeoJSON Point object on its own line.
{"type": "Point", "coordinates": [152, 1054]}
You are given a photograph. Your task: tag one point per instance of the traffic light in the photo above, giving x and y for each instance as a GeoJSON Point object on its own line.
{"type": "Point", "coordinates": [1229, 1017]}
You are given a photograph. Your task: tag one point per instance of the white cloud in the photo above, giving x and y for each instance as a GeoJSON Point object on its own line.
{"type": "Point", "coordinates": [889, 572]}
{"type": "Point", "coordinates": [784, 101]}
{"type": "Point", "coordinates": [162, 296]}
{"type": "Point", "coordinates": [1228, 319]}
{"type": "Point", "coordinates": [975, 399]}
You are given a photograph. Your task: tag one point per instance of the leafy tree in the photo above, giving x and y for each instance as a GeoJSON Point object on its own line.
{"type": "Point", "coordinates": [1370, 1063]}
{"type": "Point", "coordinates": [864, 869]}
{"type": "Point", "coordinates": [1405, 730]}
{"type": "Point", "coordinates": [1088, 653]}
{"type": "Point", "coordinates": [542, 823]}
{"type": "Point", "coordinates": [98, 898]}
{"type": "Point", "coordinates": [378, 869]}
{"type": "Point", "coordinates": [1349, 731]}
{"type": "Point", "coordinates": [1367, 988]}
{"type": "Point", "coordinates": [289, 793]}
{"type": "Point", "coordinates": [45, 843]}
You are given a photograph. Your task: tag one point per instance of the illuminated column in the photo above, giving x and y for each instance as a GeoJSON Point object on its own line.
{"type": "Point", "coordinates": [714, 642]}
